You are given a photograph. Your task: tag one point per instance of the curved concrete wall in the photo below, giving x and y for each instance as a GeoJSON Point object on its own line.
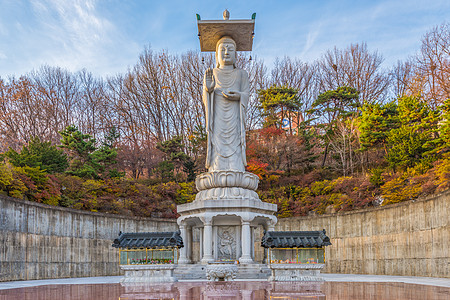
{"type": "Point", "coordinates": [39, 241]}
{"type": "Point", "coordinates": [409, 239]}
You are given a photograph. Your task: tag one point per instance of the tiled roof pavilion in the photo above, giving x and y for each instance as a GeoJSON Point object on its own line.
{"type": "Point", "coordinates": [295, 239]}
{"type": "Point", "coordinates": [148, 240]}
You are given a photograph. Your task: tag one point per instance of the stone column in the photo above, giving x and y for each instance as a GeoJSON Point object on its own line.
{"type": "Point", "coordinates": [200, 255]}
{"type": "Point", "coordinates": [189, 240]}
{"type": "Point", "coordinates": [207, 242]}
{"type": "Point", "coordinates": [183, 251]}
{"type": "Point", "coordinates": [246, 240]}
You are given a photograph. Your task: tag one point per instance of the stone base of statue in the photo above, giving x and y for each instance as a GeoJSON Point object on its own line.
{"type": "Point", "coordinates": [296, 272]}
{"type": "Point", "coordinates": [157, 273]}
{"type": "Point", "coordinates": [226, 210]}
{"type": "Point", "coordinates": [226, 185]}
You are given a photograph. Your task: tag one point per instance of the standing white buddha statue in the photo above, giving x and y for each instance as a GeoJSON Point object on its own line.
{"type": "Point", "coordinates": [226, 209]}
{"type": "Point", "coordinates": [225, 96]}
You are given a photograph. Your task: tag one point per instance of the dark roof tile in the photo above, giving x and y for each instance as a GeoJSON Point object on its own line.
{"type": "Point", "coordinates": [148, 240]}
{"type": "Point", "coordinates": [295, 239]}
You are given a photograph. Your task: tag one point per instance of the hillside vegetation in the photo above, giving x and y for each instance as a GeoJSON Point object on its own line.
{"type": "Point", "coordinates": [335, 134]}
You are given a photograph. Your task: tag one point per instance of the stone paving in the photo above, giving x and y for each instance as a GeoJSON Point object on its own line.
{"type": "Point", "coordinates": [442, 282]}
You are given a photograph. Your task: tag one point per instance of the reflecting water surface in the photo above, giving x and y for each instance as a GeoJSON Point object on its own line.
{"type": "Point", "coordinates": [233, 290]}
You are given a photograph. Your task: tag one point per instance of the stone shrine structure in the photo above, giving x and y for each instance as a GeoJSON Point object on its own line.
{"type": "Point", "coordinates": [227, 209]}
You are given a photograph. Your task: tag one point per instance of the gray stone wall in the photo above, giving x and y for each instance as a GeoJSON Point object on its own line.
{"type": "Point", "coordinates": [38, 241]}
{"type": "Point", "coordinates": [408, 239]}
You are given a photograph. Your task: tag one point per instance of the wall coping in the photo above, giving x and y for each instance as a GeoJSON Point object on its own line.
{"type": "Point", "coordinates": [81, 212]}
{"type": "Point", "coordinates": [342, 213]}
{"type": "Point", "coordinates": [373, 209]}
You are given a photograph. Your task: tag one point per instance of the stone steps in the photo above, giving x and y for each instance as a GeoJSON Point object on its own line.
{"type": "Point", "coordinates": [198, 272]}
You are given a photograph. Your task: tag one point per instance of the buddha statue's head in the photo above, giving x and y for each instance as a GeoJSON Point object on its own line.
{"type": "Point", "coordinates": [225, 52]}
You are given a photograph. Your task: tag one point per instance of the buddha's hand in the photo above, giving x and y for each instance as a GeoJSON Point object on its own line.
{"type": "Point", "coordinates": [232, 95]}
{"type": "Point", "coordinates": [208, 80]}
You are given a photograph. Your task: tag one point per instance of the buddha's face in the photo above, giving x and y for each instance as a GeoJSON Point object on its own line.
{"type": "Point", "coordinates": [226, 53]}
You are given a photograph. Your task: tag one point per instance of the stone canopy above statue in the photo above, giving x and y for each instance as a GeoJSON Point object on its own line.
{"type": "Point", "coordinates": [211, 31]}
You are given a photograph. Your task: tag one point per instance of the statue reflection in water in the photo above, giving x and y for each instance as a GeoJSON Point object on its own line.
{"type": "Point", "coordinates": [234, 290]}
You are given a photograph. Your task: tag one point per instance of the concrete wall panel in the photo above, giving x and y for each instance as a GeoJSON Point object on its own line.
{"type": "Point", "coordinates": [39, 241]}
{"type": "Point", "coordinates": [408, 239]}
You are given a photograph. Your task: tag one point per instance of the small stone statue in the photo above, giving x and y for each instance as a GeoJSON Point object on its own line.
{"type": "Point", "coordinates": [226, 14]}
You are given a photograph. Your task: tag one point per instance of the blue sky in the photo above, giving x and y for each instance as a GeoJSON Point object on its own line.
{"type": "Point", "coordinates": [107, 36]}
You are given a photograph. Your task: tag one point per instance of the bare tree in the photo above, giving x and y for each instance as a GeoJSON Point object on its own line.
{"type": "Point", "coordinates": [433, 65]}
{"type": "Point", "coordinates": [355, 67]}
{"type": "Point", "coordinates": [344, 143]}
{"type": "Point", "coordinates": [258, 79]}
{"type": "Point", "coordinates": [301, 76]}
{"type": "Point", "coordinates": [402, 78]}
{"type": "Point", "coordinates": [59, 89]}
{"type": "Point", "coordinates": [22, 113]}
{"type": "Point", "coordinates": [94, 117]}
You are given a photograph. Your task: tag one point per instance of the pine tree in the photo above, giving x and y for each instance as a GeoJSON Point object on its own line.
{"type": "Point", "coordinates": [278, 103]}
{"type": "Point", "coordinates": [441, 143]}
{"type": "Point", "coordinates": [409, 144]}
{"type": "Point", "coordinates": [105, 156]}
{"type": "Point", "coordinates": [79, 147]}
{"type": "Point", "coordinates": [375, 122]}
{"type": "Point", "coordinates": [39, 154]}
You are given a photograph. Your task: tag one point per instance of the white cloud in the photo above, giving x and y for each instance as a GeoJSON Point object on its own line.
{"type": "Point", "coordinates": [73, 33]}
{"type": "Point", "coordinates": [3, 56]}
{"type": "Point", "coordinates": [311, 39]}
{"type": "Point", "coordinates": [3, 30]}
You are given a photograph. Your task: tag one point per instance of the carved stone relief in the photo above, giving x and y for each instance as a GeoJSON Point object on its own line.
{"type": "Point", "coordinates": [226, 242]}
